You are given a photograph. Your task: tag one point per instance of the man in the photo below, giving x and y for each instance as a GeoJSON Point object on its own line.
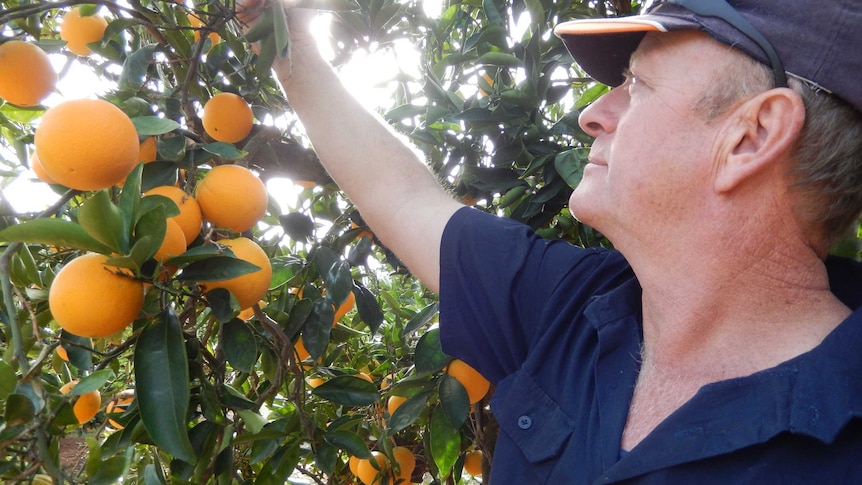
{"type": "Point", "coordinates": [719, 343]}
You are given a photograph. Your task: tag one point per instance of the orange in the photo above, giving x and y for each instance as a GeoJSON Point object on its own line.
{"type": "Point", "coordinates": [86, 406]}
{"type": "Point", "coordinates": [227, 117]}
{"type": "Point", "coordinates": [197, 23]}
{"type": "Point", "coordinates": [89, 299]}
{"type": "Point", "coordinates": [39, 170]}
{"type": "Point", "coordinates": [301, 352]}
{"type": "Point", "coordinates": [173, 244]}
{"type": "Point", "coordinates": [305, 184]}
{"type": "Point", "coordinates": [232, 197]}
{"type": "Point", "coordinates": [248, 288]}
{"type": "Point", "coordinates": [369, 475]}
{"type": "Point", "coordinates": [345, 307]}
{"type": "Point", "coordinates": [62, 353]}
{"type": "Point", "coordinates": [393, 403]}
{"type": "Point", "coordinates": [473, 463]}
{"type": "Point", "coordinates": [364, 376]}
{"type": "Point", "coordinates": [26, 74]}
{"type": "Point", "coordinates": [79, 31]}
{"type": "Point", "coordinates": [406, 464]}
{"type": "Point", "coordinates": [353, 464]}
{"type": "Point", "coordinates": [315, 381]}
{"type": "Point", "coordinates": [190, 217]}
{"type": "Point", "coordinates": [147, 151]}
{"type": "Point", "coordinates": [248, 313]}
{"type": "Point", "coordinates": [476, 385]}
{"type": "Point", "coordinates": [118, 404]}
{"type": "Point", "coordinates": [87, 144]}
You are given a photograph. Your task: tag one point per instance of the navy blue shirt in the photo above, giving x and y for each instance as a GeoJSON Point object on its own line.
{"type": "Point", "coordinates": [557, 330]}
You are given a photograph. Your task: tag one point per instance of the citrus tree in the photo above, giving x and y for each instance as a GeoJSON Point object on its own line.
{"type": "Point", "coordinates": [187, 322]}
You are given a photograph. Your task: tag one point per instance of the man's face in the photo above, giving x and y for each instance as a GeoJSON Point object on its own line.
{"type": "Point", "coordinates": [652, 157]}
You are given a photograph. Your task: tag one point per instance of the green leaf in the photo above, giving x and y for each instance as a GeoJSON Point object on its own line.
{"type": "Point", "coordinates": [445, 441]}
{"type": "Point", "coordinates": [297, 226]}
{"type": "Point", "coordinates": [8, 380]}
{"type": "Point", "coordinates": [348, 391]}
{"type": "Point", "coordinates": [154, 125]}
{"type": "Point", "coordinates": [225, 150]}
{"type": "Point", "coordinates": [19, 410]}
{"type": "Point", "coordinates": [408, 412]}
{"type": "Point", "coordinates": [570, 165]}
{"type": "Point", "coordinates": [254, 422]}
{"type": "Point", "coordinates": [429, 356]}
{"type": "Point", "coordinates": [150, 202]}
{"type": "Point", "coordinates": [130, 197]}
{"type": "Point", "coordinates": [150, 230]}
{"type": "Point", "coordinates": [162, 385]}
{"type": "Point", "coordinates": [92, 382]}
{"type": "Point", "coordinates": [197, 253]}
{"type": "Point", "coordinates": [454, 400]}
{"type": "Point", "coordinates": [317, 328]}
{"type": "Point", "coordinates": [239, 345]}
{"type": "Point", "coordinates": [216, 268]}
{"type": "Point", "coordinates": [499, 59]}
{"type": "Point", "coordinates": [104, 222]}
{"type": "Point", "coordinates": [135, 68]}
{"type": "Point", "coordinates": [53, 232]}
{"type": "Point", "coordinates": [338, 282]}
{"type": "Point", "coordinates": [368, 308]}
{"type": "Point", "coordinates": [348, 441]}
{"type": "Point", "coordinates": [492, 13]}
{"type": "Point", "coordinates": [109, 471]}
{"type": "Point", "coordinates": [421, 319]}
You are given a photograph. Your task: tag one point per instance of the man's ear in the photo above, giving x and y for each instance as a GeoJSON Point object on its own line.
{"type": "Point", "coordinates": [763, 129]}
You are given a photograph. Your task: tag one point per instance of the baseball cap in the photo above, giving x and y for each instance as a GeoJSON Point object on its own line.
{"type": "Point", "coordinates": [817, 42]}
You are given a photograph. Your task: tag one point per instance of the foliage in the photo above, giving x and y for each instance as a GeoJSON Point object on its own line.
{"type": "Point", "coordinates": [223, 399]}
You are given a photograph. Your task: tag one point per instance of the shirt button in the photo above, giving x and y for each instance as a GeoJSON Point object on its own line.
{"type": "Point", "coordinates": [524, 422]}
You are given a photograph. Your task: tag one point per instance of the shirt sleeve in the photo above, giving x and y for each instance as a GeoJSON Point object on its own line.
{"type": "Point", "coordinates": [496, 279]}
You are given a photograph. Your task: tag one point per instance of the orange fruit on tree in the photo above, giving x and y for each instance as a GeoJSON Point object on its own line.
{"type": "Point", "coordinates": [190, 217]}
{"type": "Point", "coordinates": [393, 403]}
{"type": "Point", "coordinates": [232, 197]}
{"type": "Point", "coordinates": [403, 456]}
{"type": "Point", "coordinates": [78, 30]}
{"type": "Point", "coordinates": [473, 463]}
{"type": "Point", "coordinates": [248, 313]}
{"type": "Point", "coordinates": [315, 381]}
{"type": "Point", "coordinates": [249, 288]}
{"type": "Point", "coordinates": [26, 74]}
{"type": "Point", "coordinates": [305, 184]}
{"type": "Point", "coordinates": [368, 474]}
{"type": "Point", "coordinates": [475, 384]}
{"type": "Point", "coordinates": [174, 242]}
{"type": "Point", "coordinates": [118, 404]}
{"type": "Point", "coordinates": [301, 352]}
{"type": "Point", "coordinates": [62, 353]}
{"type": "Point", "coordinates": [364, 376]}
{"type": "Point", "coordinates": [39, 170]}
{"type": "Point", "coordinates": [227, 117]}
{"type": "Point", "coordinates": [147, 150]}
{"type": "Point", "coordinates": [353, 464]}
{"type": "Point", "coordinates": [345, 307]}
{"type": "Point", "coordinates": [86, 405]}
{"type": "Point", "coordinates": [87, 144]}
{"type": "Point", "coordinates": [90, 299]}
{"type": "Point", "coordinates": [197, 23]}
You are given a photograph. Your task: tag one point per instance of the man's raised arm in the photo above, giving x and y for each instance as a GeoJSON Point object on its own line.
{"type": "Point", "coordinates": [397, 195]}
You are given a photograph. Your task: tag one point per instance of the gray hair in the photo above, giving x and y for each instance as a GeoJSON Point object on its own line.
{"type": "Point", "coordinates": [827, 160]}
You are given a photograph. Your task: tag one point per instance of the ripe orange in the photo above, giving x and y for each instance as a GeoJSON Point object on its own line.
{"type": "Point", "coordinates": [473, 463]}
{"type": "Point", "coordinates": [364, 376]}
{"type": "Point", "coordinates": [315, 381]}
{"type": "Point", "coordinates": [369, 475]}
{"type": "Point", "coordinates": [79, 31]}
{"type": "Point", "coordinates": [248, 288]}
{"type": "Point", "coordinates": [147, 150]}
{"type": "Point", "coordinates": [89, 299]}
{"type": "Point", "coordinates": [406, 464]}
{"type": "Point", "coordinates": [393, 403]}
{"type": "Point", "coordinates": [26, 74]}
{"type": "Point", "coordinates": [345, 307]}
{"type": "Point", "coordinates": [118, 404]}
{"type": "Point", "coordinates": [87, 144]}
{"type": "Point", "coordinates": [305, 184]}
{"type": "Point", "coordinates": [301, 352]}
{"type": "Point", "coordinates": [62, 353]}
{"type": "Point", "coordinates": [197, 23]}
{"type": "Point", "coordinates": [232, 197]}
{"type": "Point", "coordinates": [353, 464]}
{"type": "Point", "coordinates": [86, 406]}
{"type": "Point", "coordinates": [227, 117]}
{"type": "Point", "coordinates": [475, 384]}
{"type": "Point", "coordinates": [248, 313]}
{"type": "Point", "coordinates": [190, 217]}
{"type": "Point", "coordinates": [39, 170]}
{"type": "Point", "coordinates": [174, 242]}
